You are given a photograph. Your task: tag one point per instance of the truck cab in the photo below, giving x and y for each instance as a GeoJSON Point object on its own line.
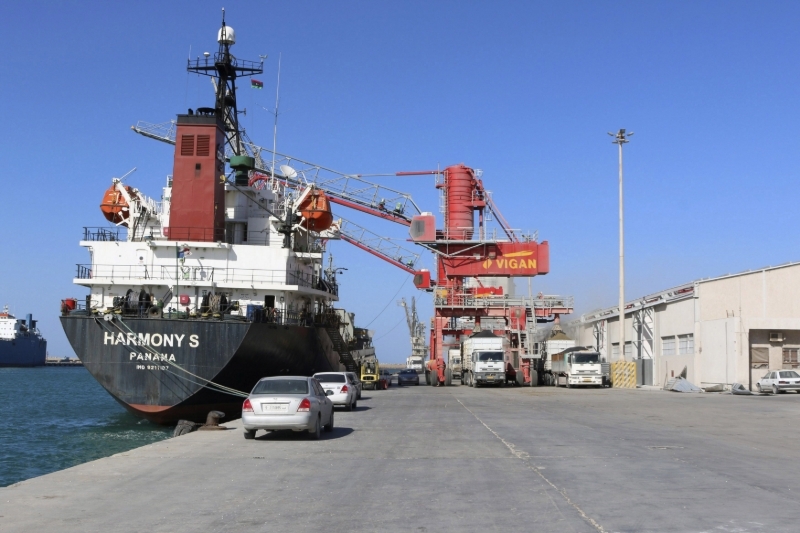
{"type": "Point", "coordinates": [454, 362]}
{"type": "Point", "coordinates": [415, 362]}
{"type": "Point", "coordinates": [489, 367]}
{"type": "Point", "coordinates": [483, 359]}
{"type": "Point", "coordinates": [577, 367]}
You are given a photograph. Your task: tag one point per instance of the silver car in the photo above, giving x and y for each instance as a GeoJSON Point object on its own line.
{"type": "Point", "coordinates": [357, 382]}
{"type": "Point", "coordinates": [287, 402]}
{"type": "Point", "coordinates": [779, 381]}
{"type": "Point", "coordinates": [339, 389]}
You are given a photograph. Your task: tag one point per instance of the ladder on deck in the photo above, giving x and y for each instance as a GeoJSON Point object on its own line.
{"type": "Point", "coordinates": [345, 357]}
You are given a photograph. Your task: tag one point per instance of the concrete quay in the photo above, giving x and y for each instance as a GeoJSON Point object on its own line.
{"type": "Point", "coordinates": [453, 459]}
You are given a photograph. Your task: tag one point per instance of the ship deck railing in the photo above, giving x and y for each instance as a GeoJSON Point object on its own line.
{"type": "Point", "coordinates": [280, 317]}
{"type": "Point", "coordinates": [98, 234]}
{"type": "Point", "coordinates": [202, 275]}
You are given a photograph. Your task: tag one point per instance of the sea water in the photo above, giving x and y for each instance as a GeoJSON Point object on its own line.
{"type": "Point", "coordinates": [53, 418]}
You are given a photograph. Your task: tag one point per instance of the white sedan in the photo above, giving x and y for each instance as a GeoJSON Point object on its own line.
{"type": "Point", "coordinates": [339, 389]}
{"type": "Point", "coordinates": [287, 402]}
{"type": "Point", "coordinates": [776, 381]}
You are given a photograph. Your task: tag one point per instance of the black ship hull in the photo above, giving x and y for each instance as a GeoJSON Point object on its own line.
{"type": "Point", "coordinates": [169, 369]}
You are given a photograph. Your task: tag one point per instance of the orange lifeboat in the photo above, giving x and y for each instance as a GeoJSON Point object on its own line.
{"type": "Point", "coordinates": [115, 205]}
{"type": "Point", "coordinates": [316, 211]}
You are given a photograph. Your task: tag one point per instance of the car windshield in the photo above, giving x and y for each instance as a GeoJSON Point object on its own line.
{"type": "Point", "coordinates": [585, 358]}
{"type": "Point", "coordinates": [281, 386]}
{"type": "Point", "coordinates": [330, 378]}
{"type": "Point", "coordinates": [408, 372]}
{"type": "Point", "coordinates": [485, 357]}
{"type": "Point", "coordinates": [790, 374]}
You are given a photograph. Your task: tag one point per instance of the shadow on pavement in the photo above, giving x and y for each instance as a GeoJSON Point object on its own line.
{"type": "Point", "coordinates": [287, 435]}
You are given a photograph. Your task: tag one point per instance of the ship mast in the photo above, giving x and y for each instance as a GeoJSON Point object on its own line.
{"type": "Point", "coordinates": [225, 67]}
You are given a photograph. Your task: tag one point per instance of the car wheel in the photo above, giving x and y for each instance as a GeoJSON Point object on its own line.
{"type": "Point", "coordinates": [775, 389]}
{"type": "Point", "coordinates": [249, 435]}
{"type": "Point", "coordinates": [329, 426]}
{"type": "Point", "coordinates": [758, 387]}
{"type": "Point", "coordinates": [317, 432]}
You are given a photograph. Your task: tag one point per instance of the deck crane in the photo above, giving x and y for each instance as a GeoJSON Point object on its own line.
{"type": "Point", "coordinates": [416, 330]}
{"type": "Point", "coordinates": [466, 256]}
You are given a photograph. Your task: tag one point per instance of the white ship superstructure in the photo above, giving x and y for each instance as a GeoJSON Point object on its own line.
{"type": "Point", "coordinates": [249, 264]}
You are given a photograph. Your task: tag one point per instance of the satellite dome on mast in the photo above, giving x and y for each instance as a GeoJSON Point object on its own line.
{"type": "Point", "coordinates": [226, 35]}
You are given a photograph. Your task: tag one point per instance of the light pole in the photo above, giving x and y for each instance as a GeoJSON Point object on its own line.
{"type": "Point", "coordinates": [621, 138]}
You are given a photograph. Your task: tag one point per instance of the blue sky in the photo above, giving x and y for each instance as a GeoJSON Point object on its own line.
{"type": "Point", "coordinates": [525, 91]}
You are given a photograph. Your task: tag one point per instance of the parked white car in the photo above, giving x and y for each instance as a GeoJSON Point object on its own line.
{"type": "Point", "coordinates": [287, 402]}
{"type": "Point", "coordinates": [776, 381]}
{"type": "Point", "coordinates": [339, 389]}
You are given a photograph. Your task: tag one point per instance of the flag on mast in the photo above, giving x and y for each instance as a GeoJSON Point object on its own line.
{"type": "Point", "coordinates": [256, 84]}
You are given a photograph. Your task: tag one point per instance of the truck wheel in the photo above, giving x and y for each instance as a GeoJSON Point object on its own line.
{"type": "Point", "coordinates": [448, 379]}
{"type": "Point", "coordinates": [520, 379]}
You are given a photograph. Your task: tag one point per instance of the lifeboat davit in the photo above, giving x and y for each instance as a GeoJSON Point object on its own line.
{"type": "Point", "coordinates": [316, 211]}
{"type": "Point", "coordinates": [115, 206]}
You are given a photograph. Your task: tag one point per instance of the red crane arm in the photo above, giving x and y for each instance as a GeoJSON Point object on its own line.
{"type": "Point", "coordinates": [386, 215]}
{"type": "Point", "coordinates": [386, 258]}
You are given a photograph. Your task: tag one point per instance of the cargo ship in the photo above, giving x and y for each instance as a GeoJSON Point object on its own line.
{"type": "Point", "coordinates": [21, 343]}
{"type": "Point", "coordinates": [193, 298]}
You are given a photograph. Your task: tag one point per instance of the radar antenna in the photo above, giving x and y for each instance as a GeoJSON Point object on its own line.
{"type": "Point", "coordinates": [226, 68]}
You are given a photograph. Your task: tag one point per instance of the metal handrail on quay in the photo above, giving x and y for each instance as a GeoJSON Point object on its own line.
{"type": "Point", "coordinates": [469, 299]}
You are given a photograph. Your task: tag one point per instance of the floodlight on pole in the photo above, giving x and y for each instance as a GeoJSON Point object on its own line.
{"type": "Point", "coordinates": [620, 138]}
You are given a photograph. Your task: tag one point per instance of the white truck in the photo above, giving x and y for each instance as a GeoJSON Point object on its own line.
{"type": "Point", "coordinates": [483, 359]}
{"type": "Point", "coordinates": [415, 362]}
{"type": "Point", "coordinates": [454, 363]}
{"type": "Point", "coordinates": [576, 366]}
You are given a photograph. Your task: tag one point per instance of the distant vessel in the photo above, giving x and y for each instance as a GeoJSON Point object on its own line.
{"type": "Point", "coordinates": [21, 344]}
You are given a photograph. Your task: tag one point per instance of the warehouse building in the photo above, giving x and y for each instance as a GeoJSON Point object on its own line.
{"type": "Point", "coordinates": [723, 330]}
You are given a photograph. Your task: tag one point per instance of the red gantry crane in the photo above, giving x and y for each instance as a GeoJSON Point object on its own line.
{"type": "Point", "coordinates": [468, 257]}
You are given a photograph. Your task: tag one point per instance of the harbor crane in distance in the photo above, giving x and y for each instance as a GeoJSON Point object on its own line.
{"type": "Point", "coordinates": [416, 330]}
{"type": "Point", "coordinates": [468, 258]}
